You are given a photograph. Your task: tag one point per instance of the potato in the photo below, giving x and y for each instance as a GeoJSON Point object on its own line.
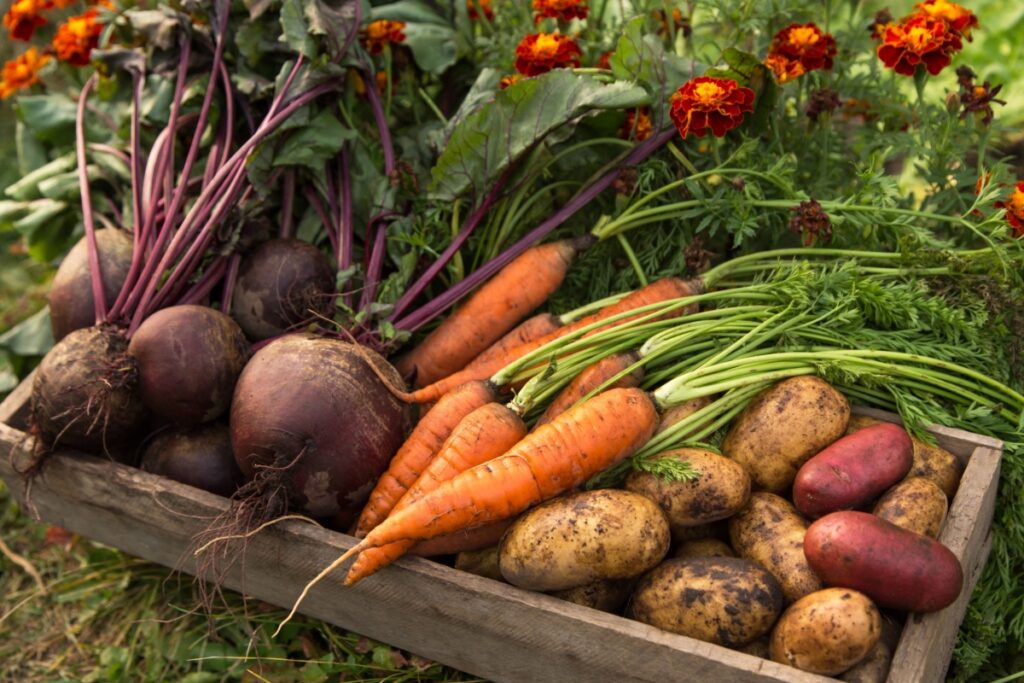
{"type": "Point", "coordinates": [480, 562]}
{"type": "Point", "coordinates": [930, 461]}
{"type": "Point", "coordinates": [896, 568]}
{"type": "Point", "coordinates": [723, 600]}
{"type": "Point", "coordinates": [583, 537]}
{"type": "Point", "coordinates": [719, 492]}
{"type": "Point", "coordinates": [874, 668]}
{"type": "Point", "coordinates": [783, 427]}
{"type": "Point", "coordinates": [757, 648]}
{"type": "Point", "coordinates": [916, 504]}
{"type": "Point", "coordinates": [607, 595]}
{"type": "Point", "coordinates": [770, 532]}
{"type": "Point", "coordinates": [853, 471]}
{"type": "Point", "coordinates": [704, 547]}
{"type": "Point", "coordinates": [827, 632]}
{"type": "Point", "coordinates": [682, 411]}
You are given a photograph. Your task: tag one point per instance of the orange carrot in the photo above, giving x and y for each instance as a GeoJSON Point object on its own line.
{"type": "Point", "coordinates": [660, 290]}
{"type": "Point", "coordinates": [591, 378]}
{"type": "Point", "coordinates": [526, 331]}
{"type": "Point", "coordinates": [503, 301]}
{"type": "Point", "coordinates": [484, 434]}
{"type": "Point", "coordinates": [419, 449]}
{"type": "Point", "coordinates": [468, 540]}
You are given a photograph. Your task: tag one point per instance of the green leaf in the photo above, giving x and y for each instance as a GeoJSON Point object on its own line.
{"type": "Point", "coordinates": [409, 11]}
{"type": "Point", "coordinates": [433, 46]}
{"type": "Point", "coordinates": [335, 22]}
{"type": "Point", "coordinates": [642, 58]}
{"type": "Point", "coordinates": [30, 337]}
{"type": "Point", "coordinates": [495, 136]}
{"type": "Point", "coordinates": [159, 26]}
{"type": "Point", "coordinates": [28, 186]}
{"type": "Point", "coordinates": [295, 28]}
{"type": "Point", "coordinates": [31, 152]}
{"type": "Point", "coordinates": [314, 143]}
{"type": "Point", "coordinates": [51, 118]}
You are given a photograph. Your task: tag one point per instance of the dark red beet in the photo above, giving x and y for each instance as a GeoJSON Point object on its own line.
{"type": "Point", "coordinates": [84, 395]}
{"type": "Point", "coordinates": [310, 415]}
{"type": "Point", "coordinates": [282, 283]}
{"type": "Point", "coordinates": [189, 358]}
{"type": "Point", "coordinates": [71, 302]}
{"type": "Point", "coordinates": [200, 457]}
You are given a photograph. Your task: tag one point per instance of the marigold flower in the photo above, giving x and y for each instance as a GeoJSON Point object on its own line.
{"type": "Point", "coordinates": [476, 8]}
{"type": "Point", "coordinates": [957, 17]}
{"type": "Point", "coordinates": [539, 53]}
{"type": "Point", "coordinates": [784, 68]}
{"type": "Point", "coordinates": [23, 18]}
{"type": "Point", "coordinates": [637, 125]}
{"type": "Point", "coordinates": [604, 60]}
{"type": "Point", "coordinates": [983, 181]}
{"type": "Point", "coordinates": [680, 22]}
{"type": "Point", "coordinates": [974, 98]}
{"type": "Point", "coordinates": [77, 37]}
{"type": "Point", "coordinates": [21, 72]}
{"type": "Point", "coordinates": [823, 101]}
{"type": "Point", "coordinates": [381, 32]}
{"type": "Point", "coordinates": [563, 10]}
{"type": "Point", "coordinates": [805, 43]}
{"type": "Point", "coordinates": [811, 221]}
{"type": "Point", "coordinates": [1015, 210]}
{"type": "Point", "coordinates": [705, 103]}
{"type": "Point", "coordinates": [919, 39]}
{"type": "Point", "coordinates": [883, 20]}
{"type": "Point", "coordinates": [509, 80]}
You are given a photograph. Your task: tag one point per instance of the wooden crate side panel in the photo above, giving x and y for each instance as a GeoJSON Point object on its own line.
{"type": "Point", "coordinates": [14, 409]}
{"type": "Point", "coordinates": [474, 624]}
{"type": "Point", "coordinates": [957, 441]}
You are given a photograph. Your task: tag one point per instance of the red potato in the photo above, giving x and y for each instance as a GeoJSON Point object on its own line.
{"type": "Point", "coordinates": [896, 568]}
{"type": "Point", "coordinates": [854, 470]}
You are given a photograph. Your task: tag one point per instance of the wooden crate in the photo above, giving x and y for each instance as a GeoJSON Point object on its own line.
{"type": "Point", "coordinates": [481, 626]}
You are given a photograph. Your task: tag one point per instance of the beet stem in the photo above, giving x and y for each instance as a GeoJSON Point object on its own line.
{"type": "Point", "coordinates": [95, 276]}
{"type": "Point", "coordinates": [229, 282]}
{"type": "Point", "coordinates": [318, 206]}
{"type": "Point", "coordinates": [214, 274]}
{"type": "Point", "coordinates": [373, 270]}
{"type": "Point", "coordinates": [287, 202]}
{"type": "Point", "coordinates": [382, 124]}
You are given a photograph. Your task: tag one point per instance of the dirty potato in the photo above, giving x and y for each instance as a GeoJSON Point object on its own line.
{"type": "Point", "coordinates": [916, 504]}
{"type": "Point", "coordinates": [723, 600]}
{"type": "Point", "coordinates": [704, 547]}
{"type": "Point", "coordinates": [783, 427]}
{"type": "Point", "coordinates": [757, 648]}
{"type": "Point", "coordinates": [930, 461]}
{"type": "Point", "coordinates": [607, 595]}
{"type": "Point", "coordinates": [482, 562]}
{"type": "Point", "coordinates": [583, 537]}
{"type": "Point", "coordinates": [721, 489]}
{"type": "Point", "coordinates": [682, 411]}
{"type": "Point", "coordinates": [770, 532]}
{"type": "Point", "coordinates": [827, 632]}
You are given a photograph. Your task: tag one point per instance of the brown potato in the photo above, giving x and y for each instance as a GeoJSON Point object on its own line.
{"type": "Point", "coordinates": [482, 562]}
{"type": "Point", "coordinates": [874, 668]}
{"type": "Point", "coordinates": [723, 600]}
{"type": "Point", "coordinates": [681, 412]}
{"type": "Point", "coordinates": [721, 489]}
{"type": "Point", "coordinates": [783, 427]}
{"type": "Point", "coordinates": [758, 648]}
{"type": "Point", "coordinates": [704, 547]}
{"type": "Point", "coordinates": [607, 595]}
{"type": "Point", "coordinates": [930, 461]}
{"type": "Point", "coordinates": [692, 533]}
{"type": "Point", "coordinates": [827, 632]}
{"type": "Point", "coordinates": [916, 504]}
{"type": "Point", "coordinates": [583, 537]}
{"type": "Point", "coordinates": [770, 532]}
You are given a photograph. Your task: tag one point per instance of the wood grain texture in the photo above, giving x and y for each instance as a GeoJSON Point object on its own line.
{"type": "Point", "coordinates": [14, 409]}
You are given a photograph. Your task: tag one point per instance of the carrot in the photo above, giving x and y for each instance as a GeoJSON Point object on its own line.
{"type": "Point", "coordinates": [484, 434]}
{"type": "Point", "coordinates": [418, 450]}
{"type": "Point", "coordinates": [591, 378]}
{"type": "Point", "coordinates": [526, 331]}
{"type": "Point", "coordinates": [660, 290]}
{"type": "Point", "coordinates": [503, 301]}
{"type": "Point", "coordinates": [468, 540]}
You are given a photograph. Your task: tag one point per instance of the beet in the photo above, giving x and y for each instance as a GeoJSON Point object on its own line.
{"type": "Point", "coordinates": [196, 456]}
{"type": "Point", "coordinates": [189, 358]}
{"type": "Point", "coordinates": [84, 395]}
{"type": "Point", "coordinates": [281, 283]}
{"type": "Point", "coordinates": [71, 302]}
{"type": "Point", "coordinates": [310, 418]}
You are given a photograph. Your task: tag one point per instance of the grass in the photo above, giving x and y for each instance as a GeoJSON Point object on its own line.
{"type": "Point", "coordinates": [92, 613]}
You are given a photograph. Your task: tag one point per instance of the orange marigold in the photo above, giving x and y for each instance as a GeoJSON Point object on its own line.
{"type": "Point", "coordinates": [509, 80]}
{"type": "Point", "coordinates": [379, 33]}
{"type": "Point", "coordinates": [1015, 209]}
{"type": "Point", "coordinates": [604, 60]}
{"type": "Point", "coordinates": [920, 39]}
{"type": "Point", "coordinates": [563, 10]}
{"type": "Point", "coordinates": [806, 44]}
{"type": "Point", "coordinates": [23, 18]}
{"type": "Point", "coordinates": [705, 103]}
{"type": "Point", "coordinates": [21, 72]}
{"type": "Point", "coordinates": [784, 68]}
{"type": "Point", "coordinates": [77, 37]}
{"type": "Point", "coordinates": [478, 7]}
{"type": "Point", "coordinates": [539, 53]}
{"type": "Point", "coordinates": [957, 17]}
{"type": "Point", "coordinates": [637, 125]}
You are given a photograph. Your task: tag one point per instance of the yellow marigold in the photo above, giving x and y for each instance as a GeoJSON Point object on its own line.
{"type": "Point", "coordinates": [381, 32]}
{"type": "Point", "coordinates": [77, 37]}
{"type": "Point", "coordinates": [1014, 206]}
{"type": "Point", "coordinates": [21, 72]}
{"type": "Point", "coordinates": [539, 53]}
{"type": "Point", "coordinates": [784, 68]}
{"type": "Point", "coordinates": [23, 18]}
{"type": "Point", "coordinates": [957, 17]}
{"type": "Point", "coordinates": [563, 10]}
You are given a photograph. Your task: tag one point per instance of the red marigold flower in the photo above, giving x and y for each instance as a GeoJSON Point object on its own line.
{"type": "Point", "coordinates": [1015, 210]}
{"type": "Point", "coordinates": [77, 37]}
{"type": "Point", "coordinates": [539, 53]}
{"type": "Point", "coordinates": [63, 4]}
{"type": "Point", "coordinates": [379, 33]}
{"type": "Point", "coordinates": [784, 68]}
{"type": "Point", "coordinates": [637, 125]}
{"type": "Point", "coordinates": [810, 221]}
{"type": "Point", "coordinates": [679, 22]}
{"type": "Point", "coordinates": [23, 18]}
{"type": "Point", "coordinates": [957, 17]}
{"type": "Point", "coordinates": [478, 7]}
{"type": "Point", "coordinates": [21, 72]}
{"type": "Point", "coordinates": [509, 80]}
{"type": "Point", "coordinates": [604, 60]}
{"type": "Point", "coordinates": [563, 10]}
{"type": "Point", "coordinates": [882, 21]}
{"type": "Point", "coordinates": [704, 103]}
{"type": "Point", "coordinates": [805, 43]}
{"type": "Point", "coordinates": [919, 39]}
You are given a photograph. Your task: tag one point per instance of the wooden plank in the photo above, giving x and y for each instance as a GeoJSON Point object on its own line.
{"type": "Point", "coordinates": [14, 409]}
{"type": "Point", "coordinates": [927, 643]}
{"type": "Point", "coordinates": [474, 624]}
{"type": "Point", "coordinates": [957, 441]}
